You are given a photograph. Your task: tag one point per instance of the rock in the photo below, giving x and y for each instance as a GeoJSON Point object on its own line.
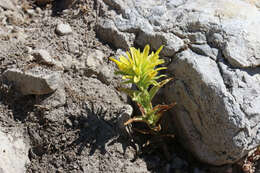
{"type": "Point", "coordinates": [14, 18]}
{"type": "Point", "coordinates": [28, 49]}
{"type": "Point", "coordinates": [38, 10]}
{"type": "Point", "coordinates": [94, 60]}
{"type": "Point", "coordinates": [43, 56]}
{"type": "Point", "coordinates": [67, 61]}
{"type": "Point", "coordinates": [35, 81]}
{"type": "Point", "coordinates": [8, 4]}
{"type": "Point", "coordinates": [63, 29]}
{"type": "Point", "coordinates": [114, 37]}
{"type": "Point", "coordinates": [95, 64]}
{"type": "Point", "coordinates": [205, 50]}
{"type": "Point", "coordinates": [31, 12]}
{"type": "Point", "coordinates": [14, 152]}
{"type": "Point", "coordinates": [212, 106]}
{"type": "Point", "coordinates": [54, 100]}
{"type": "Point", "coordinates": [172, 43]}
{"type": "Point", "coordinates": [215, 58]}
{"type": "Point", "coordinates": [74, 45]}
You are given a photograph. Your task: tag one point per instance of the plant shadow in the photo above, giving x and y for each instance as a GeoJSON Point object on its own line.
{"type": "Point", "coordinates": [96, 133]}
{"type": "Point", "coordinates": [19, 105]}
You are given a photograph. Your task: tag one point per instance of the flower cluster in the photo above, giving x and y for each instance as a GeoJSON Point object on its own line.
{"type": "Point", "coordinates": [141, 69]}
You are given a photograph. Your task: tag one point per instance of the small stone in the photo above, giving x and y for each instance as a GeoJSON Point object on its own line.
{"type": "Point", "coordinates": [43, 56]}
{"type": "Point", "coordinates": [63, 138]}
{"type": "Point", "coordinates": [74, 45]}
{"type": "Point", "coordinates": [36, 81]}
{"type": "Point", "coordinates": [28, 49]}
{"type": "Point", "coordinates": [63, 29]}
{"type": "Point", "coordinates": [31, 12]}
{"type": "Point", "coordinates": [67, 61]}
{"type": "Point", "coordinates": [96, 65]}
{"type": "Point", "coordinates": [55, 100]}
{"type": "Point", "coordinates": [69, 123]}
{"type": "Point", "coordinates": [129, 153]}
{"type": "Point", "coordinates": [38, 10]}
{"type": "Point", "coordinates": [94, 60]}
{"type": "Point", "coordinates": [29, 58]}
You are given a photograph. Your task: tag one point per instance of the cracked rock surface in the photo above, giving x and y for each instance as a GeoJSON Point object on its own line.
{"type": "Point", "coordinates": [214, 50]}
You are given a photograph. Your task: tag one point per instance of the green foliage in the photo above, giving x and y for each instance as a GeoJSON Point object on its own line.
{"type": "Point", "coordinates": [140, 68]}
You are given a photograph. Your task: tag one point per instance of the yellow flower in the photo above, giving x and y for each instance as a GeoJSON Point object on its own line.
{"type": "Point", "coordinates": [140, 67]}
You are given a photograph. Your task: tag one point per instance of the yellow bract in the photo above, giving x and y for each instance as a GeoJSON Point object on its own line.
{"type": "Point", "coordinates": [140, 67]}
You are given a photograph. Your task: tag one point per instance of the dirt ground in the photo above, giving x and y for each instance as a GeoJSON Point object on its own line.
{"type": "Point", "coordinates": [82, 134]}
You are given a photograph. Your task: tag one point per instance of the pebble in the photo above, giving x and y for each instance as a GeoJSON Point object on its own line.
{"type": "Point", "coordinates": [38, 10]}
{"type": "Point", "coordinates": [69, 123]}
{"type": "Point", "coordinates": [43, 56]}
{"type": "Point", "coordinates": [55, 100]}
{"type": "Point", "coordinates": [94, 61]}
{"type": "Point", "coordinates": [31, 12]}
{"type": "Point", "coordinates": [28, 49]}
{"type": "Point", "coordinates": [67, 61]}
{"type": "Point", "coordinates": [63, 29]}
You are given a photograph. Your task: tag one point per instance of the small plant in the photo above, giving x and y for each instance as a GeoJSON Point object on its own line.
{"type": "Point", "coordinates": [140, 69]}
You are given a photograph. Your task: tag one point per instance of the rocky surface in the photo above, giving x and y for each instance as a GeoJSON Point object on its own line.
{"type": "Point", "coordinates": [74, 121]}
{"type": "Point", "coordinates": [213, 49]}
{"type": "Point", "coordinates": [14, 151]}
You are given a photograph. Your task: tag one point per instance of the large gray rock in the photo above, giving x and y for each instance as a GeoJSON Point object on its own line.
{"type": "Point", "coordinates": [215, 51]}
{"type": "Point", "coordinates": [14, 152]}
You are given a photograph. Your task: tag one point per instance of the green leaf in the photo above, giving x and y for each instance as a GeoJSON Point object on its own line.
{"type": "Point", "coordinates": [155, 88]}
